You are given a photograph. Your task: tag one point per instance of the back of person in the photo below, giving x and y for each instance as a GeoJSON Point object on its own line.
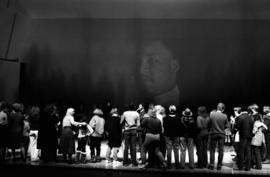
{"type": "Point", "coordinates": [172, 126]}
{"type": "Point", "coordinates": [98, 125]}
{"type": "Point", "coordinates": [245, 125]}
{"type": "Point", "coordinates": [131, 118]}
{"type": "Point", "coordinates": [152, 125]}
{"type": "Point", "coordinates": [218, 122]}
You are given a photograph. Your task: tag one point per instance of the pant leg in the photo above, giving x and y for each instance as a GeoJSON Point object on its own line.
{"type": "Point", "coordinates": [127, 144]}
{"type": "Point", "coordinates": [168, 149]}
{"type": "Point", "coordinates": [257, 155]}
{"type": "Point", "coordinates": [248, 153]}
{"type": "Point", "coordinates": [92, 146]}
{"type": "Point", "coordinates": [221, 140]}
{"type": "Point", "coordinates": [176, 149]}
{"type": "Point", "coordinates": [213, 143]}
{"type": "Point", "coordinates": [133, 147]}
{"type": "Point", "coordinates": [145, 147]}
{"type": "Point", "coordinates": [242, 144]}
{"type": "Point", "coordinates": [108, 153]}
{"type": "Point", "coordinates": [98, 146]}
{"type": "Point", "coordinates": [267, 142]}
{"type": "Point", "coordinates": [204, 151]}
{"type": "Point", "coordinates": [183, 147]}
{"type": "Point", "coordinates": [115, 151]}
{"type": "Point", "coordinates": [190, 146]}
{"type": "Point", "coordinates": [200, 150]}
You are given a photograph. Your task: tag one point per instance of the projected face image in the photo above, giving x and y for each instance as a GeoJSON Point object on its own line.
{"type": "Point", "coordinates": [158, 68]}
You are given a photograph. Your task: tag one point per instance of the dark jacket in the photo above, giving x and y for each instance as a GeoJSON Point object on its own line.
{"type": "Point", "coordinates": [152, 125]}
{"type": "Point", "coordinates": [114, 129]}
{"type": "Point", "coordinates": [245, 125]}
{"type": "Point", "coordinates": [267, 123]}
{"type": "Point", "coordinates": [172, 125]}
{"type": "Point", "coordinates": [188, 127]}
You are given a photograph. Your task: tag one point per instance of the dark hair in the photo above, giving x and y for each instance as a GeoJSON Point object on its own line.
{"type": "Point", "coordinates": [4, 105]}
{"type": "Point", "coordinates": [202, 110]}
{"type": "Point", "coordinates": [132, 107]}
{"type": "Point", "coordinates": [221, 107]}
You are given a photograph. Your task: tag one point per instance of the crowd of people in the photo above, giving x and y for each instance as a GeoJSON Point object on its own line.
{"type": "Point", "coordinates": [152, 130]}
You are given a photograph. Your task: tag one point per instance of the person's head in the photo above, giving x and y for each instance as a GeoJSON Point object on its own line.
{"type": "Point", "coordinates": [202, 111]}
{"type": "Point", "coordinates": [221, 107]}
{"type": "Point", "coordinates": [98, 112]}
{"type": "Point", "coordinates": [237, 111]}
{"type": "Point", "coordinates": [4, 107]}
{"type": "Point", "coordinates": [253, 108]}
{"type": "Point", "coordinates": [18, 107]}
{"type": "Point", "coordinates": [266, 109]}
{"type": "Point", "coordinates": [158, 67]}
{"type": "Point", "coordinates": [131, 107]}
{"type": "Point", "coordinates": [172, 109]}
{"type": "Point", "coordinates": [70, 112]}
{"type": "Point", "coordinates": [187, 113]}
{"type": "Point", "coordinates": [160, 109]}
{"type": "Point", "coordinates": [114, 111]}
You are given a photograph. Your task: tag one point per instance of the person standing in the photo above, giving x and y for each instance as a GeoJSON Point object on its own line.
{"type": "Point", "coordinates": [114, 130]}
{"type": "Point", "coordinates": [266, 121]}
{"type": "Point", "coordinates": [217, 124]}
{"type": "Point", "coordinates": [16, 124]}
{"type": "Point", "coordinates": [245, 127]}
{"type": "Point", "coordinates": [153, 130]}
{"type": "Point", "coordinates": [188, 129]}
{"type": "Point", "coordinates": [172, 127]}
{"type": "Point", "coordinates": [47, 140]}
{"type": "Point", "coordinates": [97, 123]}
{"type": "Point", "coordinates": [67, 142]}
{"type": "Point", "coordinates": [131, 120]}
{"type": "Point", "coordinates": [3, 130]}
{"type": "Point", "coordinates": [202, 138]}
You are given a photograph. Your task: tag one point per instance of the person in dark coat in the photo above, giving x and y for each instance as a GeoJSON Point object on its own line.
{"type": "Point", "coordinates": [114, 131]}
{"type": "Point", "coordinates": [16, 123]}
{"type": "Point", "coordinates": [48, 134]}
{"type": "Point", "coordinates": [187, 135]}
{"type": "Point", "coordinates": [172, 125]}
{"type": "Point", "coordinates": [4, 109]}
{"type": "Point", "coordinates": [245, 127]}
{"type": "Point", "coordinates": [202, 138]}
{"type": "Point", "coordinates": [266, 121]}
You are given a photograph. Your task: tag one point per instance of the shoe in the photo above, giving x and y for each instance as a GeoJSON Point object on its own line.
{"type": "Point", "coordinates": [267, 161]}
{"type": "Point", "coordinates": [170, 165]}
{"type": "Point", "coordinates": [143, 166]}
{"type": "Point", "coordinates": [177, 165]}
{"type": "Point", "coordinates": [164, 166]}
{"type": "Point", "coordinates": [219, 168]}
{"type": "Point", "coordinates": [134, 164]}
{"type": "Point", "coordinates": [93, 159]}
{"type": "Point", "coordinates": [247, 169]}
{"type": "Point", "coordinates": [191, 167]}
{"type": "Point", "coordinates": [116, 163]}
{"type": "Point", "coordinates": [211, 167]}
{"type": "Point", "coordinates": [125, 164]}
{"type": "Point", "coordinates": [238, 168]}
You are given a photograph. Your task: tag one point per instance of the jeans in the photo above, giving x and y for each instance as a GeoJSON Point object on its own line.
{"type": "Point", "coordinates": [244, 153]}
{"type": "Point", "coordinates": [202, 143]}
{"type": "Point", "coordinates": [130, 143]}
{"type": "Point", "coordinates": [172, 143]}
{"type": "Point", "coordinates": [216, 139]}
{"type": "Point", "coordinates": [152, 141]}
{"type": "Point", "coordinates": [256, 156]}
{"type": "Point", "coordinates": [187, 143]}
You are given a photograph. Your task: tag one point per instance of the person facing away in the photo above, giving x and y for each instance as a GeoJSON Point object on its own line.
{"type": "Point", "coordinates": [245, 127]}
{"type": "Point", "coordinates": [217, 124]}
{"type": "Point", "coordinates": [131, 121]}
{"type": "Point", "coordinates": [172, 125]}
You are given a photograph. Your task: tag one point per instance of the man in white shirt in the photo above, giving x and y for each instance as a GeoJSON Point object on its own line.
{"type": "Point", "coordinates": [131, 121]}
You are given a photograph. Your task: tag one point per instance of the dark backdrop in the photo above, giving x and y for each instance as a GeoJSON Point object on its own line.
{"type": "Point", "coordinates": [85, 61]}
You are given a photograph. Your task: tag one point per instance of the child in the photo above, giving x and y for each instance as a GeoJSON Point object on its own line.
{"type": "Point", "coordinates": [82, 140]}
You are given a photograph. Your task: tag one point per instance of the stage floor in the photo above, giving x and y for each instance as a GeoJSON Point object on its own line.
{"type": "Point", "coordinates": [227, 168]}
